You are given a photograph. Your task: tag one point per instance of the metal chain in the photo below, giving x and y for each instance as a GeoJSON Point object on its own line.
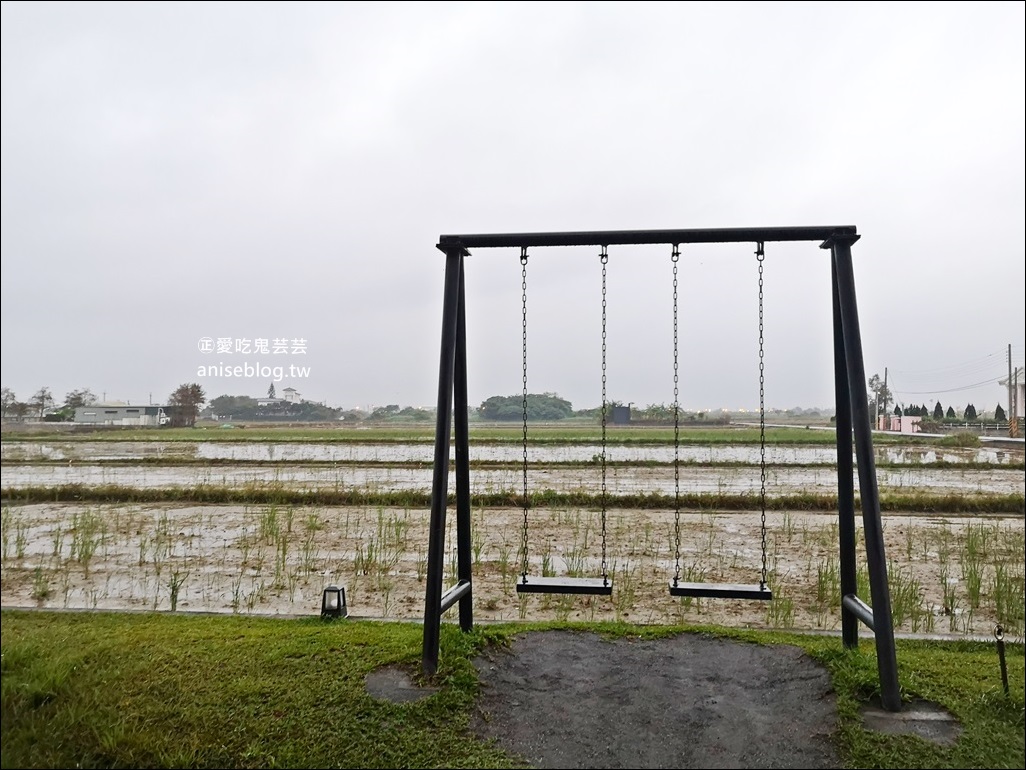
{"type": "Point", "coordinates": [760, 255]}
{"type": "Point", "coordinates": [674, 258]}
{"type": "Point", "coordinates": [523, 287]}
{"type": "Point", "coordinates": [604, 258]}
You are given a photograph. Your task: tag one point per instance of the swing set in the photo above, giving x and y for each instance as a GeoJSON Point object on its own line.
{"type": "Point", "coordinates": [852, 417]}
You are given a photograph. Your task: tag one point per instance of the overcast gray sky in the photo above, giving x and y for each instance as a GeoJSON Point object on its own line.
{"type": "Point", "coordinates": [235, 172]}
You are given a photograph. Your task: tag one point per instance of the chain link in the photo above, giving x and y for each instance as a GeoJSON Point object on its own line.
{"type": "Point", "coordinates": [760, 255]}
{"type": "Point", "coordinates": [674, 258]}
{"type": "Point", "coordinates": [523, 287]}
{"type": "Point", "coordinates": [604, 259]}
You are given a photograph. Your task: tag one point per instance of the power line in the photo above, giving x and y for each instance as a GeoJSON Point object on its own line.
{"type": "Point", "coordinates": [971, 366]}
{"type": "Point", "coordinates": [926, 385]}
{"type": "Point", "coordinates": [947, 390]}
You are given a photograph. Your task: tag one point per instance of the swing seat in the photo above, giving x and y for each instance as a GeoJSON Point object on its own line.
{"type": "Point", "coordinates": [720, 590]}
{"type": "Point", "coordinates": [564, 585]}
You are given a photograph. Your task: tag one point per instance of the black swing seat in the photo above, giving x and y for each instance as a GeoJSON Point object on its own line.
{"type": "Point", "coordinates": [564, 585]}
{"type": "Point", "coordinates": [720, 590]}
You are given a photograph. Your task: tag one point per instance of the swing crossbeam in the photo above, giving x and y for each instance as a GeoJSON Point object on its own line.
{"type": "Point", "coordinates": [529, 584]}
{"type": "Point", "coordinates": [721, 590]}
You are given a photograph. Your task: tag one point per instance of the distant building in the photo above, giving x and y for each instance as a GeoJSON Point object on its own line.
{"type": "Point", "coordinates": [108, 414]}
{"type": "Point", "coordinates": [292, 396]}
{"type": "Point", "coordinates": [269, 401]}
{"type": "Point", "coordinates": [903, 424]}
{"type": "Point", "coordinates": [1019, 392]}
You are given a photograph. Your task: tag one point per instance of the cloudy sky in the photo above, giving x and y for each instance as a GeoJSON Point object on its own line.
{"type": "Point", "coordinates": [182, 181]}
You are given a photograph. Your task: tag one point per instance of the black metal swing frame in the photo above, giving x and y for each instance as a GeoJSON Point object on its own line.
{"type": "Point", "coordinates": [852, 418]}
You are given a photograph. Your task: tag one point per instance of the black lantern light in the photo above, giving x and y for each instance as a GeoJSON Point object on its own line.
{"type": "Point", "coordinates": [333, 603]}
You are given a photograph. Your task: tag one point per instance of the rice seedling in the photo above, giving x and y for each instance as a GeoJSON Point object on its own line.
{"type": "Point", "coordinates": [41, 590]}
{"type": "Point", "coordinates": [477, 542]}
{"type": "Point", "coordinates": [780, 611]}
{"type": "Point", "coordinates": [453, 565]}
{"type": "Point", "coordinates": [386, 586]}
{"type": "Point", "coordinates": [20, 539]}
{"type": "Point", "coordinates": [174, 586]}
{"type": "Point", "coordinates": [281, 558]}
{"type": "Point", "coordinates": [972, 574]}
{"type": "Point", "coordinates": [548, 570]}
{"type": "Point", "coordinates": [65, 586]}
{"type": "Point", "coordinates": [237, 591]}
{"type": "Point", "coordinates": [862, 581]}
{"type": "Point", "coordinates": [5, 532]}
{"type": "Point", "coordinates": [293, 584]}
{"type": "Point", "coordinates": [906, 594]}
{"type": "Point", "coordinates": [690, 573]}
{"type": "Point", "coordinates": [788, 526]}
{"type": "Point", "coordinates": [625, 595]}
{"type": "Point", "coordinates": [1009, 593]}
{"type": "Point", "coordinates": [421, 562]}
{"type": "Point", "coordinates": [87, 533]}
{"type": "Point", "coordinates": [57, 541]}
{"type": "Point", "coordinates": [976, 542]}
{"type": "Point", "coordinates": [269, 527]}
{"type": "Point", "coordinates": [308, 553]}
{"type": "Point", "coordinates": [828, 583]}
{"type": "Point", "coordinates": [564, 606]}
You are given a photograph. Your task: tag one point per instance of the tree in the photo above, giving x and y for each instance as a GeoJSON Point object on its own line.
{"type": "Point", "coordinates": [938, 411]}
{"type": "Point", "coordinates": [270, 391]}
{"type": "Point", "coordinates": [234, 407]}
{"type": "Point", "coordinates": [185, 403]}
{"type": "Point", "coordinates": [969, 413]}
{"type": "Point", "coordinates": [950, 414]}
{"type": "Point", "coordinates": [80, 397]}
{"type": "Point", "coordinates": [897, 410]}
{"type": "Point", "coordinates": [18, 410]}
{"type": "Point", "coordinates": [543, 406]}
{"type": "Point", "coordinates": [41, 401]}
{"type": "Point", "coordinates": [7, 400]}
{"type": "Point", "coordinates": [999, 414]}
{"type": "Point", "coordinates": [880, 394]}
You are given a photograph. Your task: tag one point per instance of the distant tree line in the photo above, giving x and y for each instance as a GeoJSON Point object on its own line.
{"type": "Point", "coordinates": [540, 406]}
{"type": "Point", "coordinates": [396, 413]}
{"type": "Point", "coordinates": [551, 406]}
{"type": "Point", "coordinates": [940, 414]}
{"type": "Point", "coordinates": [248, 409]}
{"type": "Point", "coordinates": [43, 406]}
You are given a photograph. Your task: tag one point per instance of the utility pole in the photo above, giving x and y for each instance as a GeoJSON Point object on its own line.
{"type": "Point", "coordinates": [885, 391]}
{"type": "Point", "coordinates": [1011, 399]}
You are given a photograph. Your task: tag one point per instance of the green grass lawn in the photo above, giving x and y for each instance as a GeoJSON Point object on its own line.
{"type": "Point", "coordinates": [170, 690]}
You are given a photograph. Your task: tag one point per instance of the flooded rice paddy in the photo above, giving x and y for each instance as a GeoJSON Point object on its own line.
{"type": "Point", "coordinates": [780, 480]}
{"type": "Point", "coordinates": [508, 453]}
{"type": "Point", "coordinates": [956, 574]}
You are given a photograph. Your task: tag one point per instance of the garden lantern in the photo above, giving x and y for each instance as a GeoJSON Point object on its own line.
{"type": "Point", "coordinates": [333, 603]}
